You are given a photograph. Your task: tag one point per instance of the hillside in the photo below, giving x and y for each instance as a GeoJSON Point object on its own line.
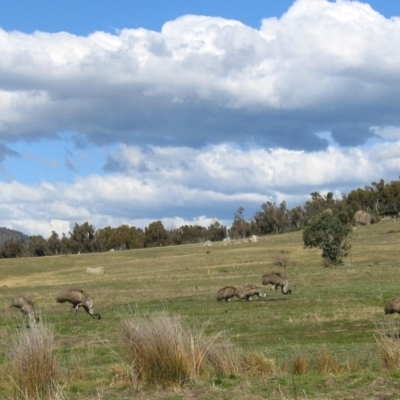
{"type": "Point", "coordinates": [6, 234]}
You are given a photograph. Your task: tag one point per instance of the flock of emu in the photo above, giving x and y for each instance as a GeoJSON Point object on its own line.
{"type": "Point", "coordinates": [275, 279]}
{"type": "Point", "coordinates": [79, 298]}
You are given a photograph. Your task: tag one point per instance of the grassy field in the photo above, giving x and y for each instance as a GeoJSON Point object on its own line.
{"type": "Point", "coordinates": [338, 311]}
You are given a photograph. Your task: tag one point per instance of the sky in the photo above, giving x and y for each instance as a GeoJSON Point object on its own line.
{"type": "Point", "coordinates": [134, 111]}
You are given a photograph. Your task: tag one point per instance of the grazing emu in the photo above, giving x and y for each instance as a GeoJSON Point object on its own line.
{"type": "Point", "coordinates": [226, 293]}
{"type": "Point", "coordinates": [78, 298]}
{"type": "Point", "coordinates": [25, 304]}
{"type": "Point", "coordinates": [393, 306]}
{"type": "Point", "coordinates": [248, 291]}
{"type": "Point", "coordinates": [276, 279]}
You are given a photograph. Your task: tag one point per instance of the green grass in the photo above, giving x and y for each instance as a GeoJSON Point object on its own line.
{"type": "Point", "coordinates": [338, 309]}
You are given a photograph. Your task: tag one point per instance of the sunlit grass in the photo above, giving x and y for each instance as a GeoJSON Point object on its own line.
{"type": "Point", "coordinates": [337, 309]}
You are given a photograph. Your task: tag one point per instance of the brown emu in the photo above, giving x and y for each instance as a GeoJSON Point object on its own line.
{"type": "Point", "coordinates": [276, 279]}
{"type": "Point", "coordinates": [78, 298]}
{"type": "Point", "coordinates": [226, 293]}
{"type": "Point", "coordinates": [248, 291]}
{"type": "Point", "coordinates": [393, 306]}
{"type": "Point", "coordinates": [27, 307]}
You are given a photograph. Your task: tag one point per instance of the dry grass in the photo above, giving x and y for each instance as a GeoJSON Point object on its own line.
{"type": "Point", "coordinates": [223, 356]}
{"type": "Point", "coordinates": [390, 352]}
{"type": "Point", "coordinates": [387, 337]}
{"type": "Point", "coordinates": [300, 364]}
{"type": "Point", "coordinates": [122, 375]}
{"type": "Point", "coordinates": [33, 367]}
{"type": "Point", "coordinates": [327, 363]}
{"type": "Point", "coordinates": [256, 364]}
{"type": "Point", "coordinates": [163, 352]}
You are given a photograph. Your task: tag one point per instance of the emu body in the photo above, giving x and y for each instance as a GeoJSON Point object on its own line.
{"type": "Point", "coordinates": [226, 293]}
{"type": "Point", "coordinates": [78, 298]}
{"type": "Point", "coordinates": [248, 291]}
{"type": "Point", "coordinates": [276, 279]}
{"type": "Point", "coordinates": [27, 307]}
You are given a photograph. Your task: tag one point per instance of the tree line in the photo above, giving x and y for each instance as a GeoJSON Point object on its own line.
{"type": "Point", "coordinates": [316, 214]}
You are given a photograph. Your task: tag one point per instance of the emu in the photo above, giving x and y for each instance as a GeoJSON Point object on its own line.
{"type": "Point", "coordinates": [78, 298]}
{"type": "Point", "coordinates": [248, 291]}
{"type": "Point", "coordinates": [27, 307]}
{"type": "Point", "coordinates": [226, 293]}
{"type": "Point", "coordinates": [393, 306]}
{"type": "Point", "coordinates": [276, 279]}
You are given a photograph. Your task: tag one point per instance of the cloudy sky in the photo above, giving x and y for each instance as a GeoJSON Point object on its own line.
{"type": "Point", "coordinates": [131, 111]}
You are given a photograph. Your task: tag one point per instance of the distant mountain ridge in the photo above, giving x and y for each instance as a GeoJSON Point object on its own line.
{"type": "Point", "coordinates": [6, 234]}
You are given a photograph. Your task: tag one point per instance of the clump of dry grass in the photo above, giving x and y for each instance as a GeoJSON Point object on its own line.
{"type": "Point", "coordinates": [257, 364]}
{"type": "Point", "coordinates": [163, 352]}
{"type": "Point", "coordinates": [300, 364]}
{"type": "Point", "coordinates": [390, 352]}
{"type": "Point", "coordinates": [223, 356]}
{"type": "Point", "coordinates": [388, 341]}
{"type": "Point", "coordinates": [327, 363]}
{"type": "Point", "coordinates": [122, 375]}
{"type": "Point", "coordinates": [167, 354]}
{"type": "Point", "coordinates": [33, 366]}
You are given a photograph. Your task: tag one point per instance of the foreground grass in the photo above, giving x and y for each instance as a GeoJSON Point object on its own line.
{"type": "Point", "coordinates": [332, 315]}
{"type": "Point", "coordinates": [33, 368]}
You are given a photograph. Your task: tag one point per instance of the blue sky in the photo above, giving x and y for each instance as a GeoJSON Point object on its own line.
{"type": "Point", "coordinates": [84, 17]}
{"type": "Point", "coordinates": [182, 111]}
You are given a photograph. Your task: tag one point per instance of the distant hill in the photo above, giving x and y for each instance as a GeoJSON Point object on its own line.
{"type": "Point", "coordinates": [6, 233]}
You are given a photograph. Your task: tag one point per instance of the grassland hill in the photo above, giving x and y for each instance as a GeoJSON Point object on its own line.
{"type": "Point", "coordinates": [6, 234]}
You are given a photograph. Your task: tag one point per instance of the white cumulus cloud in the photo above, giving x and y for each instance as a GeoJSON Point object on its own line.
{"type": "Point", "coordinates": [208, 115]}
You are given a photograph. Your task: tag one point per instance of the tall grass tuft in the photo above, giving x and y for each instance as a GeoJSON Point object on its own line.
{"type": "Point", "coordinates": [388, 341]}
{"type": "Point", "coordinates": [223, 356]}
{"type": "Point", "coordinates": [300, 364]}
{"type": "Point", "coordinates": [327, 363]}
{"type": "Point", "coordinates": [33, 367]}
{"type": "Point", "coordinates": [390, 352]}
{"type": "Point", "coordinates": [256, 364]}
{"type": "Point", "coordinates": [122, 375]}
{"type": "Point", "coordinates": [163, 352]}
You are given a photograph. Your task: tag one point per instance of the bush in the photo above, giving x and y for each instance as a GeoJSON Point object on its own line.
{"type": "Point", "coordinates": [328, 233]}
